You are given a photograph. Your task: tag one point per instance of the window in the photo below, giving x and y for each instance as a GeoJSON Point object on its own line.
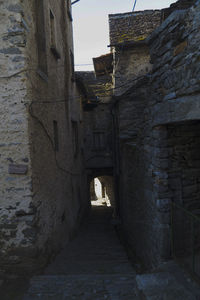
{"type": "Point", "coordinates": [75, 138]}
{"type": "Point", "coordinates": [99, 140]}
{"type": "Point", "coordinates": [72, 64]}
{"type": "Point", "coordinates": [52, 23]}
{"type": "Point", "coordinates": [41, 38]}
{"type": "Point", "coordinates": [53, 36]}
{"type": "Point", "coordinates": [55, 133]}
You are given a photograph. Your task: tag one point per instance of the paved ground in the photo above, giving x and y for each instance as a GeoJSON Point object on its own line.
{"type": "Point", "coordinates": [94, 266]}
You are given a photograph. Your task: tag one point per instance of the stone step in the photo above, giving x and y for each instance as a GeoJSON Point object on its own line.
{"type": "Point", "coordinates": [101, 255]}
{"type": "Point", "coordinates": [165, 286]}
{"type": "Point", "coordinates": [89, 267]}
{"type": "Point", "coordinates": [83, 287]}
{"type": "Point", "coordinates": [94, 266]}
{"type": "Point", "coordinates": [102, 261]}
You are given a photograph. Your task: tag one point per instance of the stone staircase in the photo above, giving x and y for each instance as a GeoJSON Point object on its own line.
{"type": "Point", "coordinates": [171, 283]}
{"type": "Point", "coordinates": [82, 287]}
{"type": "Point", "coordinates": [94, 266]}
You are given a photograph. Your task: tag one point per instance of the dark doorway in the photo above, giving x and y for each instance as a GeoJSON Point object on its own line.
{"type": "Point", "coordinates": [184, 187]}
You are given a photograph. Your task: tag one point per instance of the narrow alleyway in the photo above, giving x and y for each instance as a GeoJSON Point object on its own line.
{"type": "Point", "coordinates": [94, 266]}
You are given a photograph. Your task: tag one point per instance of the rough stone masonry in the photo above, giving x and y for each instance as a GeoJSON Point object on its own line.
{"type": "Point", "coordinates": [40, 134]}
{"type": "Point", "coordinates": [43, 192]}
{"type": "Point", "coordinates": [159, 138]}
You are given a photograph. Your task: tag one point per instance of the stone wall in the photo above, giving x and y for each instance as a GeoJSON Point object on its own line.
{"type": "Point", "coordinates": [108, 186]}
{"type": "Point", "coordinates": [138, 215]}
{"type": "Point", "coordinates": [16, 211]}
{"type": "Point", "coordinates": [183, 143]}
{"type": "Point", "coordinates": [128, 33]}
{"type": "Point", "coordinates": [56, 134]}
{"type": "Point", "coordinates": [175, 77]}
{"type": "Point", "coordinates": [178, 5]}
{"type": "Point", "coordinates": [41, 157]}
{"type": "Point", "coordinates": [98, 137]}
{"type": "Point", "coordinates": [99, 87]}
{"type": "Point", "coordinates": [184, 185]}
{"type": "Point", "coordinates": [152, 115]}
{"type": "Point", "coordinates": [97, 121]}
{"type": "Point", "coordinates": [97, 126]}
{"type": "Point", "coordinates": [130, 63]}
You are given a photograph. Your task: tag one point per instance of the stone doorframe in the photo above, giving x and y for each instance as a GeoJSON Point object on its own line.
{"type": "Point", "coordinates": [162, 196]}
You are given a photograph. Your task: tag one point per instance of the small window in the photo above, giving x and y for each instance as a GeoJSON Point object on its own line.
{"type": "Point", "coordinates": [41, 38]}
{"type": "Point", "coordinates": [99, 140]}
{"type": "Point", "coordinates": [72, 65]}
{"type": "Point", "coordinates": [53, 36]}
{"type": "Point", "coordinates": [75, 138]}
{"type": "Point", "coordinates": [52, 20]}
{"type": "Point", "coordinates": [55, 132]}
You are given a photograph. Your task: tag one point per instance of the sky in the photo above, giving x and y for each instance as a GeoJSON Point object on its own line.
{"type": "Point", "coordinates": [90, 25]}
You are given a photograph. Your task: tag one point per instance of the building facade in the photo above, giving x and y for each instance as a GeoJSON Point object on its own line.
{"type": "Point", "coordinates": [98, 131]}
{"type": "Point", "coordinates": [128, 33]}
{"type": "Point", "coordinates": [158, 123]}
{"type": "Point", "coordinates": [135, 126]}
{"type": "Point", "coordinates": [42, 175]}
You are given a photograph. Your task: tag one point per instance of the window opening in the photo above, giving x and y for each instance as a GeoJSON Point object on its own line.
{"type": "Point", "coordinates": [53, 36]}
{"type": "Point", "coordinates": [41, 38]}
{"type": "Point", "coordinates": [53, 41]}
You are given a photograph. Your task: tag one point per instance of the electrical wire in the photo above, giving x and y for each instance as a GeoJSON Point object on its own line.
{"type": "Point", "coordinates": [61, 66]}
{"type": "Point", "coordinates": [30, 69]}
{"type": "Point", "coordinates": [75, 2]}
{"type": "Point", "coordinates": [62, 100]}
{"type": "Point", "coordinates": [56, 100]}
{"type": "Point", "coordinates": [50, 140]}
{"type": "Point", "coordinates": [134, 6]}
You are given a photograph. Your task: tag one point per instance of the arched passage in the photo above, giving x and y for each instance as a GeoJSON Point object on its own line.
{"type": "Point", "coordinates": [102, 188]}
{"type": "Point", "coordinates": [102, 191]}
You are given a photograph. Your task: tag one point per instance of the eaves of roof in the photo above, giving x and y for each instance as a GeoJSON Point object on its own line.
{"type": "Point", "coordinates": [129, 44]}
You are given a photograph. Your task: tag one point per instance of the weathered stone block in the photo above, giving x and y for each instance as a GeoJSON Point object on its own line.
{"type": "Point", "coordinates": [18, 169]}
{"type": "Point", "coordinates": [11, 50]}
{"type": "Point", "coordinates": [180, 48]}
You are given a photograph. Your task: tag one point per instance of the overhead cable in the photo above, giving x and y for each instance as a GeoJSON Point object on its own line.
{"type": "Point", "coordinates": [134, 5]}
{"type": "Point", "coordinates": [75, 1]}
